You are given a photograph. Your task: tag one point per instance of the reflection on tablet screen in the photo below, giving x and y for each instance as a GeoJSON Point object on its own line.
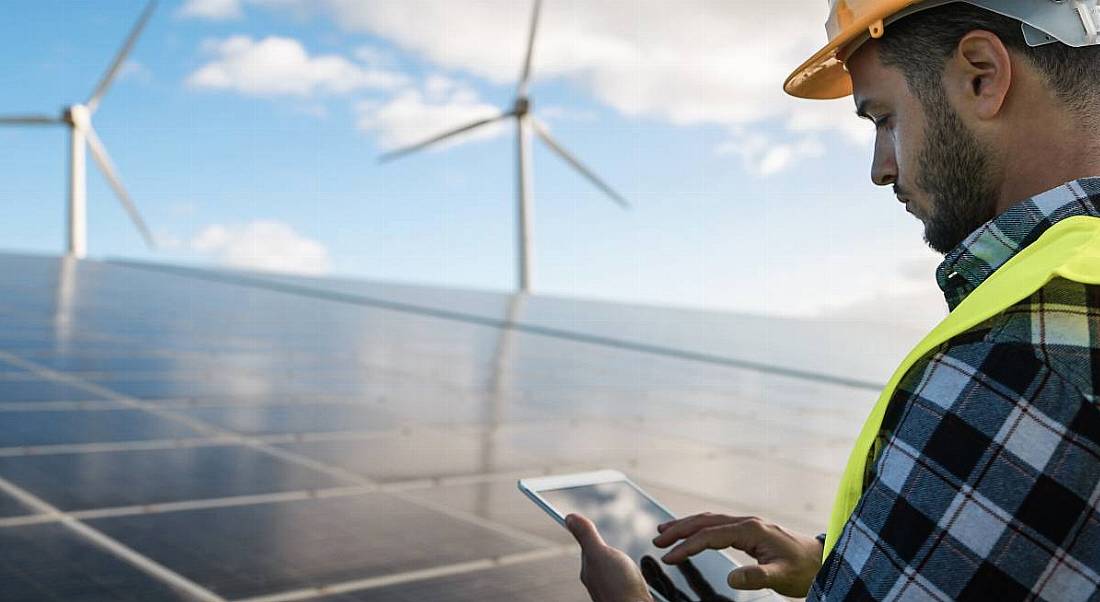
{"type": "Point", "coordinates": [628, 521]}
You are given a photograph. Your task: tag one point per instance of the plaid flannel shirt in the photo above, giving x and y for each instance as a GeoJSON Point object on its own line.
{"type": "Point", "coordinates": [985, 483]}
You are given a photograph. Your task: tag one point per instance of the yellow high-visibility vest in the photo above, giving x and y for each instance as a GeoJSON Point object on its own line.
{"type": "Point", "coordinates": [1069, 249]}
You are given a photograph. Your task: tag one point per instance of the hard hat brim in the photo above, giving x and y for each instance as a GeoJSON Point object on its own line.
{"type": "Point", "coordinates": [823, 76]}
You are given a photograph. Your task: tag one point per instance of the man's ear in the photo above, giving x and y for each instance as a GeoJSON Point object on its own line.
{"type": "Point", "coordinates": [978, 76]}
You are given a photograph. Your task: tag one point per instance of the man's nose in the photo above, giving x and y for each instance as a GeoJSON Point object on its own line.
{"type": "Point", "coordinates": [884, 170]}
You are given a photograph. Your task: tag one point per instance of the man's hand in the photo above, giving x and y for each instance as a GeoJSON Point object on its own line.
{"type": "Point", "coordinates": [609, 574]}
{"type": "Point", "coordinates": [787, 562]}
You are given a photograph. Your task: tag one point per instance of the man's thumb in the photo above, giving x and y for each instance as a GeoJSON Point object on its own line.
{"type": "Point", "coordinates": [754, 576]}
{"type": "Point", "coordinates": [583, 530]}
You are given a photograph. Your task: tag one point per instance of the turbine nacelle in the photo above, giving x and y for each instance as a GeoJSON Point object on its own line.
{"type": "Point", "coordinates": [78, 116]}
{"type": "Point", "coordinates": [522, 106]}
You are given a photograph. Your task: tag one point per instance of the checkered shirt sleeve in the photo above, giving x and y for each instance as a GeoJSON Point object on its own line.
{"type": "Point", "coordinates": [987, 486]}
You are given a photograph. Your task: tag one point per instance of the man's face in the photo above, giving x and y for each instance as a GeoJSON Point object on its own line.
{"type": "Point", "coordinates": [936, 165]}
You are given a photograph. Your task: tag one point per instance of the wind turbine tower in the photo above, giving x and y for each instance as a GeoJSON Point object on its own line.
{"type": "Point", "coordinates": [78, 118]}
{"type": "Point", "coordinates": [526, 124]}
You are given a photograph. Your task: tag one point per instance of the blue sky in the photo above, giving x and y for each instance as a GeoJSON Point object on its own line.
{"type": "Point", "coordinates": [247, 132]}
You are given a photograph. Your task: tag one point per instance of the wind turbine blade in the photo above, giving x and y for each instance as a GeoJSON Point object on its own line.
{"type": "Point", "coordinates": [120, 58]}
{"type": "Point", "coordinates": [390, 156]}
{"type": "Point", "coordinates": [526, 76]}
{"type": "Point", "coordinates": [545, 136]}
{"type": "Point", "coordinates": [29, 120]}
{"type": "Point", "coordinates": [99, 153]}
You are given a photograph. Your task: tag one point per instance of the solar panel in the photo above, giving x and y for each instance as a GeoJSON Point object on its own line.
{"type": "Point", "coordinates": [50, 562]}
{"type": "Point", "coordinates": [173, 433]}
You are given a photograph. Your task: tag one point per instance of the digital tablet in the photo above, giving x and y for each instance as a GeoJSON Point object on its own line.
{"type": "Point", "coordinates": [627, 518]}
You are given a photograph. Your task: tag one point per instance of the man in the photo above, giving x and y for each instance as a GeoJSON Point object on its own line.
{"type": "Point", "coordinates": [977, 475]}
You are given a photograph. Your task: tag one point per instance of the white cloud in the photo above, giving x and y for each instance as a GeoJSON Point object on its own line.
{"type": "Point", "coordinates": [213, 10]}
{"type": "Point", "coordinates": [921, 308]}
{"type": "Point", "coordinates": [375, 57]}
{"type": "Point", "coordinates": [183, 209]}
{"type": "Point", "coordinates": [132, 69]}
{"type": "Point", "coordinates": [716, 62]}
{"type": "Point", "coordinates": [262, 245]}
{"type": "Point", "coordinates": [277, 66]}
{"type": "Point", "coordinates": [554, 113]}
{"type": "Point", "coordinates": [764, 157]}
{"type": "Point", "coordinates": [414, 115]}
{"type": "Point", "coordinates": [906, 296]}
{"type": "Point", "coordinates": [835, 116]}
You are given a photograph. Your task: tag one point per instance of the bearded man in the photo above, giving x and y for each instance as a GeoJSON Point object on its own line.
{"type": "Point", "coordinates": [977, 475]}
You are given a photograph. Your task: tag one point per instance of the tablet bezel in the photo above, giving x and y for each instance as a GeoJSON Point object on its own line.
{"type": "Point", "coordinates": [533, 486]}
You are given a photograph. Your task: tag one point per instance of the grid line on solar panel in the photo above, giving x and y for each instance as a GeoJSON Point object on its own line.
{"type": "Point", "coordinates": [669, 398]}
{"type": "Point", "coordinates": [728, 440]}
{"type": "Point", "coordinates": [259, 550]}
{"type": "Point", "coordinates": [153, 444]}
{"type": "Point", "coordinates": [225, 502]}
{"type": "Point", "coordinates": [113, 546]}
{"type": "Point", "coordinates": [12, 507]}
{"type": "Point", "coordinates": [42, 563]}
{"type": "Point", "coordinates": [32, 428]}
{"type": "Point", "coordinates": [414, 487]}
{"type": "Point", "coordinates": [198, 425]}
{"type": "Point", "coordinates": [461, 568]}
{"type": "Point", "coordinates": [40, 389]}
{"type": "Point", "coordinates": [101, 392]}
{"type": "Point", "coordinates": [172, 403]}
{"type": "Point", "coordinates": [802, 458]}
{"type": "Point", "coordinates": [188, 381]}
{"type": "Point", "coordinates": [403, 486]}
{"type": "Point", "coordinates": [248, 500]}
{"type": "Point", "coordinates": [284, 496]}
{"type": "Point", "coordinates": [59, 406]}
{"type": "Point", "coordinates": [114, 446]}
{"type": "Point", "coordinates": [472, 518]}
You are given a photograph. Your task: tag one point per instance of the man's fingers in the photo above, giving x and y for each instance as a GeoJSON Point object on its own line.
{"type": "Point", "coordinates": [738, 535]}
{"type": "Point", "coordinates": [676, 530]}
{"type": "Point", "coordinates": [753, 576]}
{"type": "Point", "coordinates": [697, 581]}
{"type": "Point", "coordinates": [584, 531]}
{"type": "Point", "coordinates": [679, 522]}
{"type": "Point", "coordinates": [656, 578]}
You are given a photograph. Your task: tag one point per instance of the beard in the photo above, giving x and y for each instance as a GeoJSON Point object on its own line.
{"type": "Point", "coordinates": [955, 173]}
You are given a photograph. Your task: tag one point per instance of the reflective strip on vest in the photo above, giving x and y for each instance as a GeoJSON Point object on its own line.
{"type": "Point", "coordinates": [1069, 249]}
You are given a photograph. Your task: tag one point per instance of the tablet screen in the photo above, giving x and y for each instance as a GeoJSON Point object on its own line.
{"type": "Point", "coordinates": [628, 520]}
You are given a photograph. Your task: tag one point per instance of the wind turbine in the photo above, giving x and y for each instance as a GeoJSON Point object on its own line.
{"type": "Point", "coordinates": [78, 118]}
{"type": "Point", "coordinates": [525, 124]}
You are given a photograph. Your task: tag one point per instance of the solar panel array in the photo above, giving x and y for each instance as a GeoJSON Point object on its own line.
{"type": "Point", "coordinates": [177, 434]}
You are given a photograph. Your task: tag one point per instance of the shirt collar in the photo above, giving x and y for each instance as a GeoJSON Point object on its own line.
{"type": "Point", "coordinates": [1000, 239]}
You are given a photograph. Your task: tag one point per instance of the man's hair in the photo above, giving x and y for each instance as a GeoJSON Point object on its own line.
{"type": "Point", "coordinates": [920, 44]}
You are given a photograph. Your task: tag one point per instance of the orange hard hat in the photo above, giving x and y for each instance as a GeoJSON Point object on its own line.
{"type": "Point", "coordinates": [823, 75]}
{"type": "Point", "coordinates": [852, 22]}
